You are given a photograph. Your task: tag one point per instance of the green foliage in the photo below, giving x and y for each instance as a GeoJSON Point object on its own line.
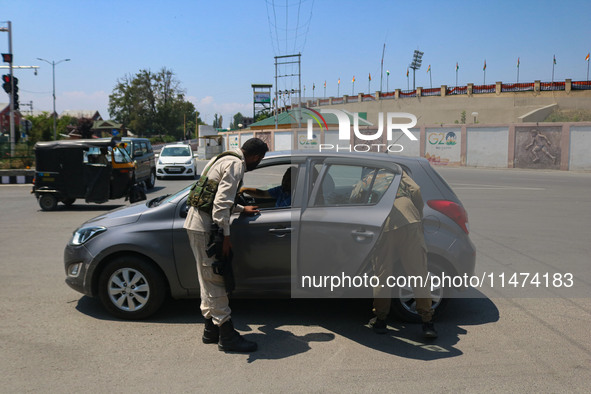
{"type": "Point", "coordinates": [42, 129]}
{"type": "Point", "coordinates": [162, 139]}
{"type": "Point", "coordinates": [263, 115]}
{"type": "Point", "coordinates": [153, 104]}
{"type": "Point", "coordinates": [569, 116]}
{"type": "Point", "coordinates": [463, 117]}
{"type": "Point", "coordinates": [238, 119]}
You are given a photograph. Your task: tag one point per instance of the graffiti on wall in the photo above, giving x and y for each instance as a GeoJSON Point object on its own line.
{"type": "Point", "coordinates": [443, 147]}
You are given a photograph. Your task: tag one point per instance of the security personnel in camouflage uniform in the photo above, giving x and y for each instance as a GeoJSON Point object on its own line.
{"type": "Point", "coordinates": [227, 173]}
{"type": "Point", "coordinates": [402, 237]}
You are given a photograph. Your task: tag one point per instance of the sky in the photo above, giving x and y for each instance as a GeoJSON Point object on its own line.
{"type": "Point", "coordinates": [217, 49]}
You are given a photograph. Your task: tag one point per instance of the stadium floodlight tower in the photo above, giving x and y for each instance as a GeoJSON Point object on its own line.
{"type": "Point", "coordinates": [417, 60]}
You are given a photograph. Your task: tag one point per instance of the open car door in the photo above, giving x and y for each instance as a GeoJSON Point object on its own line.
{"type": "Point", "coordinates": [340, 222]}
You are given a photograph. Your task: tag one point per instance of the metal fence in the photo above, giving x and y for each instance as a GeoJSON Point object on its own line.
{"type": "Point", "coordinates": [552, 86]}
{"type": "Point", "coordinates": [431, 92]}
{"type": "Point", "coordinates": [456, 90]}
{"type": "Point", "coordinates": [518, 87]}
{"type": "Point", "coordinates": [581, 85]}
{"type": "Point", "coordinates": [23, 155]}
{"type": "Point", "coordinates": [479, 89]}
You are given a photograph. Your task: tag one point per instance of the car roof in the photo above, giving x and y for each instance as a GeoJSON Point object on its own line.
{"type": "Point", "coordinates": [353, 155]}
{"type": "Point", "coordinates": [176, 145]}
{"type": "Point", "coordinates": [81, 143]}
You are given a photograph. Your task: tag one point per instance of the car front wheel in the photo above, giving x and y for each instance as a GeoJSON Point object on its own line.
{"type": "Point", "coordinates": [131, 288]}
{"type": "Point", "coordinates": [404, 304]}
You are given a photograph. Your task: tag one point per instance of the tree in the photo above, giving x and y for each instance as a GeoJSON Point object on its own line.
{"type": "Point", "coordinates": [152, 104]}
{"type": "Point", "coordinates": [238, 120]}
{"type": "Point", "coordinates": [217, 121]}
{"type": "Point", "coordinates": [263, 115]}
{"type": "Point", "coordinates": [85, 127]}
{"type": "Point", "coordinates": [42, 127]}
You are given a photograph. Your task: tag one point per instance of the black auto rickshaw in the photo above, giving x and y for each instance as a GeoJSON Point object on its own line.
{"type": "Point", "coordinates": [95, 170]}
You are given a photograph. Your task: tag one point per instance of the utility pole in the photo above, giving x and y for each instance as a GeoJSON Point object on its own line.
{"type": "Point", "coordinates": [9, 30]}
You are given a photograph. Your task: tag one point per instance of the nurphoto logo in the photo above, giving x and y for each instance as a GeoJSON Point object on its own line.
{"type": "Point", "coordinates": [345, 130]}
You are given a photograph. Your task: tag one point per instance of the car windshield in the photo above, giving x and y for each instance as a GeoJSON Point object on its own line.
{"type": "Point", "coordinates": [121, 156]}
{"type": "Point", "coordinates": [176, 151]}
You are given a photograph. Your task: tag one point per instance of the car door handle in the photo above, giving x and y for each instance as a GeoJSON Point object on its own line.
{"type": "Point", "coordinates": [280, 232]}
{"type": "Point", "coordinates": [362, 235]}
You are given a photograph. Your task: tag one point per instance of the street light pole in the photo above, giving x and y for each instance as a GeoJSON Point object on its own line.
{"type": "Point", "coordinates": [53, 63]}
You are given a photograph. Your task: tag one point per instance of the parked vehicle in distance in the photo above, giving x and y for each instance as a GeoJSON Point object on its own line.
{"type": "Point", "coordinates": [176, 160]}
{"type": "Point", "coordinates": [96, 170]}
{"type": "Point", "coordinates": [133, 257]}
{"type": "Point", "coordinates": [140, 150]}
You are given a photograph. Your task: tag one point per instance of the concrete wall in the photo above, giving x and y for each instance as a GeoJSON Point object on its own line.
{"type": "Point", "coordinates": [580, 148]}
{"type": "Point", "coordinates": [560, 146]}
{"type": "Point", "coordinates": [492, 108]}
{"type": "Point", "coordinates": [487, 147]}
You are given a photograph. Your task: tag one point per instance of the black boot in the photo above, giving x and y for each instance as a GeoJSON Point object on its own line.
{"type": "Point", "coordinates": [232, 341]}
{"type": "Point", "coordinates": [211, 332]}
{"type": "Point", "coordinates": [429, 330]}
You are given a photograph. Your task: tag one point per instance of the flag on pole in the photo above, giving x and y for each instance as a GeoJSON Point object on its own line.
{"type": "Point", "coordinates": [407, 72]}
{"type": "Point", "coordinates": [370, 76]}
{"type": "Point", "coordinates": [313, 86]}
{"type": "Point", "coordinates": [429, 68]}
{"type": "Point", "coordinates": [484, 68]}
{"type": "Point", "coordinates": [517, 62]}
{"type": "Point", "coordinates": [388, 71]}
{"type": "Point", "coordinates": [353, 78]}
{"type": "Point", "coordinates": [324, 83]}
{"type": "Point", "coordinates": [554, 59]}
{"type": "Point", "coordinates": [457, 66]}
{"type": "Point", "coordinates": [339, 81]}
{"type": "Point", "coordinates": [587, 57]}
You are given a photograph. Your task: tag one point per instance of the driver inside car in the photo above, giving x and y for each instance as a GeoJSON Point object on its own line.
{"type": "Point", "coordinates": [281, 194]}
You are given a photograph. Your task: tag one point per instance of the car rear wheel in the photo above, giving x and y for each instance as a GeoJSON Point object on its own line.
{"type": "Point", "coordinates": [404, 304]}
{"type": "Point", "coordinates": [48, 202]}
{"type": "Point", "coordinates": [151, 180]}
{"type": "Point", "coordinates": [68, 201]}
{"type": "Point", "coordinates": [131, 288]}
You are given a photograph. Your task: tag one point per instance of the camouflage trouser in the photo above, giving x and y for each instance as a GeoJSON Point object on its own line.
{"type": "Point", "coordinates": [214, 300]}
{"type": "Point", "coordinates": [407, 244]}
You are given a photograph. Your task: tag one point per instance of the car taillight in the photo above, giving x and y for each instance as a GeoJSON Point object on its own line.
{"type": "Point", "coordinates": [454, 211]}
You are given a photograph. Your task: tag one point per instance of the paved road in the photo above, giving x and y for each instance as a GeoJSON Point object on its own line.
{"type": "Point", "coordinates": [54, 340]}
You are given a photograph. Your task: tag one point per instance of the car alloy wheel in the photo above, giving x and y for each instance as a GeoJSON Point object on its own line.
{"type": "Point", "coordinates": [404, 304]}
{"type": "Point", "coordinates": [131, 288]}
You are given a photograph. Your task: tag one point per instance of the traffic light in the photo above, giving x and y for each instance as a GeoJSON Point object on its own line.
{"type": "Point", "coordinates": [15, 93]}
{"type": "Point", "coordinates": [7, 86]}
{"type": "Point", "coordinates": [6, 83]}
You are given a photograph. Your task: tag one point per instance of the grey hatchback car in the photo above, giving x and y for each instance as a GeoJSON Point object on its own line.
{"type": "Point", "coordinates": [133, 257]}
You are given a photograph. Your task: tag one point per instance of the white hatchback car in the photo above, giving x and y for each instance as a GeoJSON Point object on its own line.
{"type": "Point", "coordinates": [176, 160]}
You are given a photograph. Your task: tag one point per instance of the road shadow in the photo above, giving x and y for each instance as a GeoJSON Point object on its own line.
{"type": "Point", "coordinates": [82, 207]}
{"type": "Point", "coordinates": [325, 318]}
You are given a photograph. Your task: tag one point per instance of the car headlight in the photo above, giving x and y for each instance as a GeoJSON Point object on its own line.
{"type": "Point", "coordinates": [84, 234]}
{"type": "Point", "coordinates": [189, 161]}
{"type": "Point", "coordinates": [160, 162]}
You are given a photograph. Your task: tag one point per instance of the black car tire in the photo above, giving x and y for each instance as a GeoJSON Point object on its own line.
{"type": "Point", "coordinates": [404, 306]}
{"type": "Point", "coordinates": [140, 298]}
{"type": "Point", "coordinates": [151, 181]}
{"type": "Point", "coordinates": [68, 201]}
{"type": "Point", "coordinates": [47, 202]}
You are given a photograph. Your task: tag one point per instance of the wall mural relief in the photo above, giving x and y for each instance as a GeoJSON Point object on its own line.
{"type": "Point", "coordinates": [537, 147]}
